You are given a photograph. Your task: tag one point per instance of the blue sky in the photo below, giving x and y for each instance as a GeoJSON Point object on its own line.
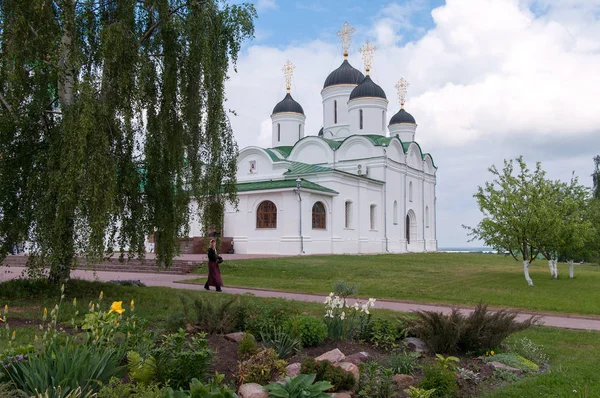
{"type": "Point", "coordinates": [489, 80]}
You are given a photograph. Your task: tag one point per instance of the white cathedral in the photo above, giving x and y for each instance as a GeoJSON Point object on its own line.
{"type": "Point", "coordinates": [362, 185]}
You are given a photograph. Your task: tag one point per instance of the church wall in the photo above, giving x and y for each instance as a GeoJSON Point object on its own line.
{"type": "Point", "coordinates": [340, 95]}
{"type": "Point", "coordinates": [287, 129]}
{"type": "Point", "coordinates": [374, 116]}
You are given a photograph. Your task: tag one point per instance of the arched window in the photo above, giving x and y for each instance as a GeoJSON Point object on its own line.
{"type": "Point", "coordinates": [410, 192]}
{"type": "Point", "coordinates": [266, 215]}
{"type": "Point", "coordinates": [360, 119]}
{"type": "Point", "coordinates": [334, 112]}
{"type": "Point", "coordinates": [278, 132]}
{"type": "Point", "coordinates": [372, 216]}
{"type": "Point", "coordinates": [348, 214]}
{"type": "Point", "coordinates": [395, 212]}
{"type": "Point", "coordinates": [426, 216]}
{"type": "Point", "coordinates": [407, 232]}
{"type": "Point", "coordinates": [318, 216]}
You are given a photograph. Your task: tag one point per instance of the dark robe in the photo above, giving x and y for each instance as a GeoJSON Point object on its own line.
{"type": "Point", "coordinates": [214, 274]}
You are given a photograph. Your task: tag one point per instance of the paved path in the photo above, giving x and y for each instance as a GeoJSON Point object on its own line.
{"type": "Point", "coordinates": [179, 282]}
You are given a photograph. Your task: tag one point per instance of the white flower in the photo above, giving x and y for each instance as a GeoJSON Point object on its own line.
{"type": "Point", "coordinates": [343, 315]}
{"type": "Point", "coordinates": [329, 314]}
{"type": "Point", "coordinates": [356, 306]}
{"type": "Point", "coordinates": [371, 302]}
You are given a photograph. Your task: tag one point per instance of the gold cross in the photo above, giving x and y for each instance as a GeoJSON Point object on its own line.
{"type": "Point", "coordinates": [344, 35]}
{"type": "Point", "coordinates": [402, 87]}
{"type": "Point", "coordinates": [367, 51]}
{"type": "Point", "coordinates": [288, 71]}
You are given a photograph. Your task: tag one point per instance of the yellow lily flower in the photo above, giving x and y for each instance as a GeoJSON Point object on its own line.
{"type": "Point", "coordinates": [117, 306]}
{"type": "Point", "coordinates": [132, 305]}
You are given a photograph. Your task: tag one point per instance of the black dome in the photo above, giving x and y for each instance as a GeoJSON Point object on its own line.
{"type": "Point", "coordinates": [345, 74]}
{"type": "Point", "coordinates": [402, 117]}
{"type": "Point", "coordinates": [288, 105]}
{"type": "Point", "coordinates": [367, 88]}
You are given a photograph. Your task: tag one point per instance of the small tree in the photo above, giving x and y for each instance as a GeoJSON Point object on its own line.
{"type": "Point", "coordinates": [596, 177]}
{"type": "Point", "coordinates": [513, 207]}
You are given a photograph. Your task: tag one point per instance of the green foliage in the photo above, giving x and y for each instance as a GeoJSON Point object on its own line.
{"type": "Point", "coordinates": [117, 388]}
{"type": "Point", "coordinates": [299, 387]}
{"type": "Point", "coordinates": [596, 177]}
{"type": "Point", "coordinates": [528, 349]}
{"type": "Point", "coordinates": [478, 332]}
{"type": "Point", "coordinates": [403, 363]}
{"type": "Point", "coordinates": [261, 368]}
{"type": "Point", "coordinates": [141, 370]}
{"type": "Point", "coordinates": [63, 368]}
{"type": "Point", "coordinates": [447, 362]}
{"type": "Point", "coordinates": [414, 392]}
{"type": "Point", "coordinates": [8, 391]}
{"type": "Point", "coordinates": [311, 330]}
{"type": "Point", "coordinates": [513, 360]}
{"type": "Point", "coordinates": [505, 375]}
{"type": "Point", "coordinates": [375, 381]}
{"type": "Point", "coordinates": [282, 342]}
{"type": "Point", "coordinates": [345, 289]}
{"type": "Point", "coordinates": [215, 316]}
{"type": "Point", "coordinates": [268, 315]}
{"type": "Point", "coordinates": [247, 347]}
{"type": "Point", "coordinates": [384, 334]}
{"type": "Point", "coordinates": [213, 389]}
{"type": "Point", "coordinates": [441, 379]}
{"type": "Point", "coordinates": [80, 173]}
{"type": "Point", "coordinates": [178, 359]}
{"type": "Point", "coordinates": [325, 371]}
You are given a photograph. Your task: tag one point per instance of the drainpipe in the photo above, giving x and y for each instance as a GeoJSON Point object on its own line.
{"type": "Point", "coordinates": [423, 211]}
{"type": "Point", "coordinates": [385, 201]}
{"type": "Point", "coordinates": [297, 191]}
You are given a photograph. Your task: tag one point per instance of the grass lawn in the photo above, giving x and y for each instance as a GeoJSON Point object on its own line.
{"type": "Point", "coordinates": [462, 279]}
{"type": "Point", "coordinates": [573, 354]}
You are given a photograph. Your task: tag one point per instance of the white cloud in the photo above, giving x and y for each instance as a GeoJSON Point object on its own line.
{"type": "Point", "coordinates": [266, 5]}
{"type": "Point", "coordinates": [496, 78]}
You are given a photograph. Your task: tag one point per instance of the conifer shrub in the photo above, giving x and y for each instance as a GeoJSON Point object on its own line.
{"type": "Point", "coordinates": [247, 347]}
{"type": "Point", "coordinates": [441, 379]}
{"type": "Point", "coordinates": [325, 371]}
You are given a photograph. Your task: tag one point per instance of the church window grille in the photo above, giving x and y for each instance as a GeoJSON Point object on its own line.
{"type": "Point", "coordinates": [348, 214]}
{"type": "Point", "coordinates": [395, 212]}
{"type": "Point", "coordinates": [266, 215]}
{"type": "Point", "coordinates": [278, 132]}
{"type": "Point", "coordinates": [372, 216]}
{"type": "Point", "coordinates": [318, 216]}
{"type": "Point", "coordinates": [335, 112]}
{"type": "Point", "coordinates": [360, 119]}
{"type": "Point", "coordinates": [410, 192]}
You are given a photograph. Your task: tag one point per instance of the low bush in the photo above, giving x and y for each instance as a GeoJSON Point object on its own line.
{"type": "Point", "coordinates": [267, 316]}
{"type": "Point", "coordinates": [216, 316]}
{"type": "Point", "coordinates": [375, 381]}
{"type": "Point", "coordinates": [117, 388]}
{"type": "Point", "coordinates": [505, 375]}
{"type": "Point", "coordinates": [440, 332]}
{"type": "Point", "coordinates": [312, 331]}
{"type": "Point", "coordinates": [441, 379]}
{"type": "Point", "coordinates": [384, 333]}
{"type": "Point", "coordinates": [283, 343]}
{"type": "Point", "coordinates": [414, 392]}
{"type": "Point", "coordinates": [261, 368]}
{"type": "Point", "coordinates": [214, 389]}
{"type": "Point", "coordinates": [325, 371]}
{"type": "Point", "coordinates": [403, 363]}
{"type": "Point", "coordinates": [528, 349]}
{"type": "Point", "coordinates": [247, 347]}
{"type": "Point", "coordinates": [513, 360]}
{"type": "Point", "coordinates": [300, 386]}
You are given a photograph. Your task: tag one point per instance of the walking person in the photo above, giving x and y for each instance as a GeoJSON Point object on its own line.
{"type": "Point", "coordinates": [214, 274]}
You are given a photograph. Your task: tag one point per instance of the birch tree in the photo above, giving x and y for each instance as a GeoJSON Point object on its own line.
{"type": "Point", "coordinates": [112, 118]}
{"type": "Point", "coordinates": [512, 205]}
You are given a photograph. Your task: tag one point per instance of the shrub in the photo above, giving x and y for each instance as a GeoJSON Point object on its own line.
{"type": "Point", "coordinates": [375, 381]}
{"type": "Point", "coordinates": [383, 334]}
{"type": "Point", "coordinates": [440, 332]}
{"type": "Point", "coordinates": [414, 392]}
{"type": "Point", "coordinates": [261, 368]}
{"type": "Point", "coordinates": [116, 388]}
{"type": "Point", "coordinates": [403, 363]}
{"type": "Point", "coordinates": [283, 343]}
{"type": "Point", "coordinates": [513, 360]}
{"type": "Point", "coordinates": [268, 315]}
{"type": "Point", "coordinates": [214, 388]}
{"type": "Point", "coordinates": [325, 371]}
{"type": "Point", "coordinates": [215, 316]}
{"type": "Point", "coordinates": [141, 370]}
{"type": "Point", "coordinates": [311, 330]}
{"type": "Point", "coordinates": [179, 360]}
{"type": "Point", "coordinates": [300, 386]}
{"type": "Point", "coordinates": [505, 375]}
{"type": "Point", "coordinates": [247, 347]}
{"type": "Point", "coordinates": [345, 289]}
{"type": "Point", "coordinates": [441, 379]}
{"type": "Point", "coordinates": [447, 362]}
{"type": "Point", "coordinates": [528, 349]}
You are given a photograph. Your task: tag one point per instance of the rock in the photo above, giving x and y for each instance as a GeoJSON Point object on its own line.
{"type": "Point", "coordinates": [403, 381]}
{"type": "Point", "coordinates": [235, 337]}
{"type": "Point", "coordinates": [332, 356]}
{"type": "Point", "coordinates": [252, 390]}
{"type": "Point", "coordinates": [498, 365]}
{"type": "Point", "coordinates": [341, 394]}
{"type": "Point", "coordinates": [415, 344]}
{"type": "Point", "coordinates": [349, 367]}
{"type": "Point", "coordinates": [293, 370]}
{"type": "Point", "coordinates": [358, 358]}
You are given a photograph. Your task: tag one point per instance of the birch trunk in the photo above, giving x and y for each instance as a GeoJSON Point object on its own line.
{"type": "Point", "coordinates": [66, 74]}
{"type": "Point", "coordinates": [526, 272]}
{"type": "Point", "coordinates": [555, 268]}
{"type": "Point", "coordinates": [551, 266]}
{"type": "Point", "coordinates": [571, 269]}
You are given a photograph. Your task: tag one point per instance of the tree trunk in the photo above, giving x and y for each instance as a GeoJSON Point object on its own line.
{"type": "Point", "coordinates": [555, 268]}
{"type": "Point", "coordinates": [66, 74]}
{"type": "Point", "coordinates": [571, 269]}
{"type": "Point", "coordinates": [551, 266]}
{"type": "Point", "coordinates": [526, 272]}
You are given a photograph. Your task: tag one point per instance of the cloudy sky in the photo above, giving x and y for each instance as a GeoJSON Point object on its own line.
{"type": "Point", "coordinates": [489, 80]}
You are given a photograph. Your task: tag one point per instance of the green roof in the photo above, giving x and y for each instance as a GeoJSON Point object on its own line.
{"type": "Point", "coordinates": [284, 150]}
{"type": "Point", "coordinates": [378, 140]}
{"type": "Point", "coordinates": [303, 168]}
{"type": "Point", "coordinates": [280, 184]}
{"type": "Point", "coordinates": [274, 157]}
{"type": "Point", "coordinates": [332, 143]}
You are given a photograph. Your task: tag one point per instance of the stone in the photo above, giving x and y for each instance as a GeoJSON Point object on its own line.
{"type": "Point", "coordinates": [341, 394]}
{"type": "Point", "coordinates": [332, 356]}
{"type": "Point", "coordinates": [403, 381]}
{"type": "Point", "coordinates": [349, 367]}
{"type": "Point", "coordinates": [358, 358]}
{"type": "Point", "coordinates": [292, 370]}
{"type": "Point", "coordinates": [415, 344]}
{"type": "Point", "coordinates": [252, 390]}
{"type": "Point", "coordinates": [498, 365]}
{"type": "Point", "coordinates": [235, 337]}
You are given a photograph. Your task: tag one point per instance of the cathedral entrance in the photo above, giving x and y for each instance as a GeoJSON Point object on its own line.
{"type": "Point", "coordinates": [407, 231]}
{"type": "Point", "coordinates": [411, 227]}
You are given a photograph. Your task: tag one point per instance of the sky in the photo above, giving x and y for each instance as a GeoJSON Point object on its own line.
{"type": "Point", "coordinates": [489, 80]}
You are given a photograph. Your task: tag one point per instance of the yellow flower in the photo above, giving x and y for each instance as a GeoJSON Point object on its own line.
{"type": "Point", "coordinates": [5, 309]}
{"type": "Point", "coordinates": [14, 335]}
{"type": "Point", "coordinates": [75, 302]}
{"type": "Point", "coordinates": [93, 307]}
{"type": "Point", "coordinates": [45, 313]}
{"type": "Point", "coordinates": [117, 306]}
{"type": "Point", "coordinates": [132, 305]}
{"type": "Point", "coordinates": [492, 352]}
{"type": "Point", "coordinates": [2, 319]}
{"type": "Point", "coordinates": [101, 294]}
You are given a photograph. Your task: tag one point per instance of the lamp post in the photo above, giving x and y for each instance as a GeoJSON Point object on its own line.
{"type": "Point", "coordinates": [297, 191]}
